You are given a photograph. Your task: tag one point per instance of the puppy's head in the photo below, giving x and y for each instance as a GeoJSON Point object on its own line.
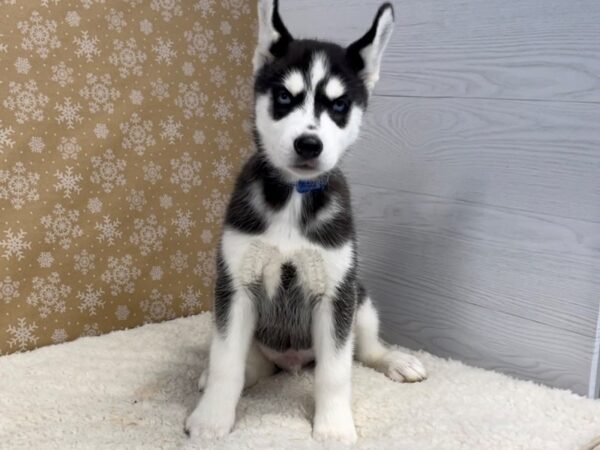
{"type": "Point", "coordinates": [311, 95]}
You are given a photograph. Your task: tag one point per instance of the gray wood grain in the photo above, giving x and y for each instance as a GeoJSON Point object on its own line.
{"type": "Point", "coordinates": [535, 156]}
{"type": "Point", "coordinates": [512, 49]}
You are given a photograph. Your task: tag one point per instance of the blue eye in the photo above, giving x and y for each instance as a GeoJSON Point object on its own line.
{"type": "Point", "coordinates": [340, 106]}
{"type": "Point", "coordinates": [284, 98]}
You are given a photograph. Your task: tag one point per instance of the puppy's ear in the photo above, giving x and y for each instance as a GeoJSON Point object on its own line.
{"type": "Point", "coordinates": [365, 54]}
{"type": "Point", "coordinates": [273, 36]}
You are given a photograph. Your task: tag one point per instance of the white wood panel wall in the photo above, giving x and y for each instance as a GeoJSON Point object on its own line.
{"type": "Point", "coordinates": [477, 179]}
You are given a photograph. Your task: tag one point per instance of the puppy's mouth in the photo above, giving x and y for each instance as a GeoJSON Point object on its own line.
{"type": "Point", "coordinates": [310, 165]}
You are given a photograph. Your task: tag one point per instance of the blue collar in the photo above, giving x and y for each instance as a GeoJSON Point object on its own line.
{"type": "Point", "coordinates": [306, 186]}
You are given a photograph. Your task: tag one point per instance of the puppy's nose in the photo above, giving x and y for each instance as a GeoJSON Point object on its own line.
{"type": "Point", "coordinates": [308, 146]}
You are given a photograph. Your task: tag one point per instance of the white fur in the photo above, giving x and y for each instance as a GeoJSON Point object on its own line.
{"type": "Point", "coordinates": [318, 70]}
{"type": "Point", "coordinates": [372, 54]}
{"type": "Point", "coordinates": [294, 82]}
{"type": "Point", "coordinates": [334, 88]}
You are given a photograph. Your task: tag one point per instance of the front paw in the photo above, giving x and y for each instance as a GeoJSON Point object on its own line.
{"type": "Point", "coordinates": [335, 427]}
{"type": "Point", "coordinates": [209, 422]}
{"type": "Point", "coordinates": [403, 367]}
{"type": "Point", "coordinates": [312, 270]}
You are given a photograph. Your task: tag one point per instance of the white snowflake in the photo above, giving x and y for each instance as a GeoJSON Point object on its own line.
{"type": "Point", "coordinates": [156, 273]}
{"type": "Point", "coordinates": [18, 186]}
{"type": "Point", "coordinates": [100, 93]}
{"type": "Point", "coordinates": [91, 300]}
{"type": "Point", "coordinates": [62, 74]}
{"type": "Point", "coordinates": [186, 172]}
{"type": "Point", "coordinates": [49, 295]}
{"type": "Point", "coordinates": [164, 51]}
{"type": "Point", "coordinates": [68, 182]}
{"type": "Point", "coordinates": [116, 20]}
{"type": "Point", "coordinates": [61, 226]}
{"type": "Point", "coordinates": [5, 140]}
{"type": "Point", "coordinates": [45, 260]}
{"type": "Point", "coordinates": [222, 169]}
{"type": "Point", "coordinates": [72, 18]}
{"type": "Point", "coordinates": [22, 335]}
{"type": "Point", "coordinates": [69, 148]}
{"type": "Point", "coordinates": [170, 130]}
{"type": "Point", "coordinates": [152, 172]}
{"type": "Point", "coordinates": [87, 4]}
{"type": "Point", "coordinates": [47, 2]}
{"type": "Point", "coordinates": [206, 236]}
{"type": "Point", "coordinates": [84, 262]}
{"type": "Point", "coordinates": [59, 335]}
{"type": "Point", "coordinates": [121, 274]}
{"type": "Point", "coordinates": [218, 76]}
{"type": "Point", "coordinates": [223, 140]}
{"type": "Point", "coordinates": [215, 206]}
{"type": "Point", "coordinates": [14, 244]}
{"type": "Point", "coordinates": [108, 171]}
{"type": "Point", "coordinates": [200, 42]}
{"type": "Point", "coordinates": [146, 27]}
{"type": "Point", "coordinates": [179, 261]}
{"type": "Point", "coordinates": [225, 27]}
{"type": "Point", "coordinates": [243, 92]}
{"type": "Point", "coordinates": [91, 329]}
{"type": "Point", "coordinates": [122, 312]}
{"type": "Point", "coordinates": [127, 57]}
{"type": "Point", "coordinates": [68, 113]}
{"type": "Point", "coordinates": [222, 110]}
{"type": "Point", "coordinates": [237, 52]}
{"type": "Point", "coordinates": [22, 65]}
{"type": "Point", "coordinates": [87, 46]}
{"type": "Point", "coordinates": [191, 100]}
{"type": "Point", "coordinates": [188, 69]}
{"type": "Point", "coordinates": [136, 97]}
{"type": "Point", "coordinates": [199, 137]}
{"type": "Point", "coordinates": [26, 100]}
{"type": "Point", "coordinates": [101, 131]}
{"type": "Point", "coordinates": [237, 8]}
{"type": "Point", "coordinates": [137, 134]}
{"type": "Point", "coordinates": [183, 222]}
{"type": "Point", "coordinates": [137, 200]}
{"type": "Point", "coordinates": [205, 267]}
{"type": "Point", "coordinates": [109, 230]}
{"type": "Point", "coordinates": [206, 7]}
{"type": "Point", "coordinates": [160, 89]}
{"type": "Point", "coordinates": [167, 8]}
{"type": "Point", "coordinates": [148, 234]}
{"type": "Point", "coordinates": [94, 205]}
{"type": "Point", "coordinates": [9, 289]}
{"type": "Point", "coordinates": [36, 144]}
{"type": "Point", "coordinates": [166, 201]}
{"type": "Point", "coordinates": [157, 307]}
{"type": "Point", "coordinates": [39, 35]}
{"type": "Point", "coordinates": [190, 300]}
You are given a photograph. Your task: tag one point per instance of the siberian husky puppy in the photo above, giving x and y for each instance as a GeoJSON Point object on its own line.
{"type": "Point", "coordinates": [287, 290]}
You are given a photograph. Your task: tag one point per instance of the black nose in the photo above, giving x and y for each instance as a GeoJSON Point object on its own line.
{"type": "Point", "coordinates": [308, 146]}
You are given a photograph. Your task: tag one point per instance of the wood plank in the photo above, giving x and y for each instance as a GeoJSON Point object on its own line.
{"type": "Point", "coordinates": [535, 49]}
{"type": "Point", "coordinates": [536, 156]}
{"type": "Point", "coordinates": [535, 267]}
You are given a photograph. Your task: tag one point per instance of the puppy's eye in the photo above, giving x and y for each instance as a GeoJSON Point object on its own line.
{"type": "Point", "coordinates": [283, 97]}
{"type": "Point", "coordinates": [340, 106]}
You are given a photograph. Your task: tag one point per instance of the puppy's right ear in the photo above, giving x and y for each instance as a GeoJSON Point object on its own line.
{"type": "Point", "coordinates": [273, 36]}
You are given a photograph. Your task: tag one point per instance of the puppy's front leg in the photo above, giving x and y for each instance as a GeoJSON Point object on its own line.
{"type": "Point", "coordinates": [332, 342]}
{"type": "Point", "coordinates": [215, 414]}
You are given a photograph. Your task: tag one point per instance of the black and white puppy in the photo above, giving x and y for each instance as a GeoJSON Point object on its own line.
{"type": "Point", "coordinates": [287, 291]}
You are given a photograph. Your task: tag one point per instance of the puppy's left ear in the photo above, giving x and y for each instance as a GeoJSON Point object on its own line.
{"type": "Point", "coordinates": [273, 36]}
{"type": "Point", "coordinates": [365, 54]}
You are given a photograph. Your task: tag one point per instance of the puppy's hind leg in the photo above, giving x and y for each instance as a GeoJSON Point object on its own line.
{"type": "Point", "coordinates": [372, 352]}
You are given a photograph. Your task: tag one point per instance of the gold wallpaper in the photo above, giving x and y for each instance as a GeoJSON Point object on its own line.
{"type": "Point", "coordinates": [122, 124]}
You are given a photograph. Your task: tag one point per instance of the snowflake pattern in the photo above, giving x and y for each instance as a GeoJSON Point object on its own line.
{"type": "Point", "coordinates": [167, 8]}
{"type": "Point", "coordinates": [108, 171]}
{"type": "Point", "coordinates": [121, 274]}
{"type": "Point", "coordinates": [191, 100]}
{"type": "Point", "coordinates": [14, 244]}
{"type": "Point", "coordinates": [137, 134]}
{"type": "Point", "coordinates": [9, 289]}
{"type": "Point", "coordinates": [186, 172]}
{"type": "Point", "coordinates": [87, 47]}
{"type": "Point", "coordinates": [157, 307]}
{"type": "Point", "coordinates": [62, 74]}
{"type": "Point", "coordinates": [179, 261]}
{"type": "Point", "coordinates": [200, 42]}
{"type": "Point", "coordinates": [100, 93]}
{"type": "Point", "coordinates": [69, 148]}
{"type": "Point", "coordinates": [191, 300]}
{"type": "Point", "coordinates": [214, 206]}
{"type": "Point", "coordinates": [49, 295]}
{"type": "Point", "coordinates": [61, 226]}
{"type": "Point", "coordinates": [148, 235]}
{"type": "Point", "coordinates": [68, 113]}
{"type": "Point", "coordinates": [84, 262]}
{"type": "Point", "coordinates": [127, 57]}
{"type": "Point", "coordinates": [223, 169]}
{"type": "Point", "coordinates": [18, 186]}
{"type": "Point", "coordinates": [5, 141]}
{"type": "Point", "coordinates": [39, 35]}
{"type": "Point", "coordinates": [205, 266]}
{"type": "Point", "coordinates": [22, 335]}
{"type": "Point", "coordinates": [108, 230]}
{"type": "Point", "coordinates": [183, 222]}
{"type": "Point", "coordinates": [171, 130]}
{"type": "Point", "coordinates": [163, 51]}
{"type": "Point", "coordinates": [68, 182]}
{"type": "Point", "coordinates": [90, 300]}
{"type": "Point", "coordinates": [26, 101]}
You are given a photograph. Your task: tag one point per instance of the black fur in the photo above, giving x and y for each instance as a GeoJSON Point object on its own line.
{"type": "Point", "coordinates": [223, 295]}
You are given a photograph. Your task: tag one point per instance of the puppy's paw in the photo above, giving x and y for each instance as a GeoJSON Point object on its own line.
{"type": "Point", "coordinates": [312, 271]}
{"type": "Point", "coordinates": [254, 261]}
{"type": "Point", "coordinates": [209, 423]}
{"type": "Point", "coordinates": [403, 367]}
{"type": "Point", "coordinates": [202, 380]}
{"type": "Point", "coordinates": [335, 426]}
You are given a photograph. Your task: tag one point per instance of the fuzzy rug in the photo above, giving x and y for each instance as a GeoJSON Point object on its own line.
{"type": "Point", "coordinates": [132, 390]}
